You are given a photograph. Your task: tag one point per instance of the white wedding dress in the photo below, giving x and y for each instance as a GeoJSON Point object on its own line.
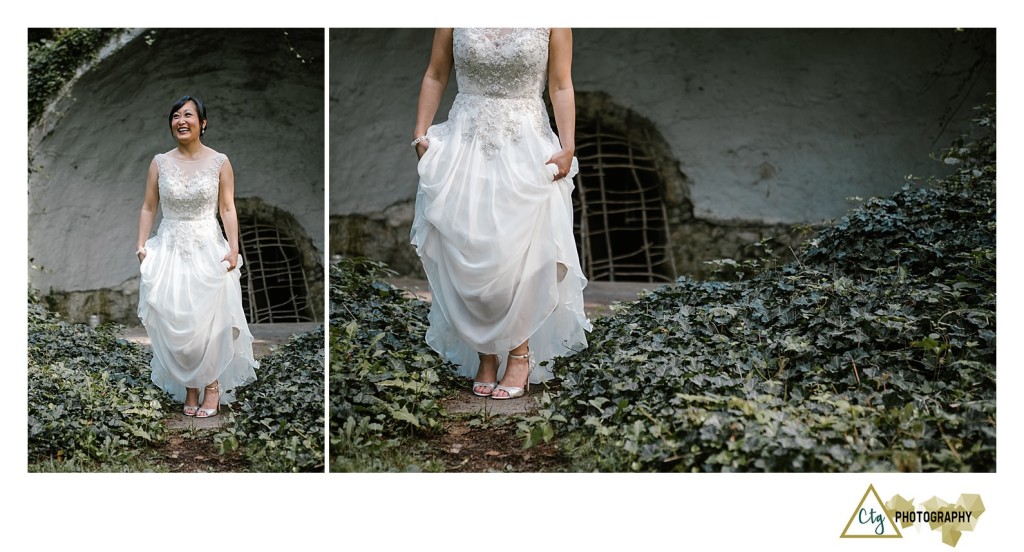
{"type": "Point", "coordinates": [189, 303]}
{"type": "Point", "coordinates": [493, 232]}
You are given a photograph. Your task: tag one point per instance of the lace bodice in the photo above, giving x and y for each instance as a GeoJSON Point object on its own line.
{"type": "Point", "coordinates": [189, 189]}
{"type": "Point", "coordinates": [501, 63]}
{"type": "Point", "coordinates": [188, 198]}
{"type": "Point", "coordinates": [501, 75]}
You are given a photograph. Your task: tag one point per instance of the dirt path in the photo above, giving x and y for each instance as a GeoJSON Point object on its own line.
{"type": "Point", "coordinates": [481, 435]}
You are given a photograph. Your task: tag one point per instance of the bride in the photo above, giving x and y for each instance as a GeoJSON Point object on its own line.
{"type": "Point", "coordinates": [190, 297]}
{"type": "Point", "coordinates": [493, 220]}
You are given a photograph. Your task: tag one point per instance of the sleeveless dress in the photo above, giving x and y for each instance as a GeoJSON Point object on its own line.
{"type": "Point", "coordinates": [189, 303]}
{"type": "Point", "coordinates": [493, 231]}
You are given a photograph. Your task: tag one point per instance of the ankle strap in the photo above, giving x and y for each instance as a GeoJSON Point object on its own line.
{"type": "Point", "coordinates": [527, 355]}
{"type": "Point", "coordinates": [214, 387]}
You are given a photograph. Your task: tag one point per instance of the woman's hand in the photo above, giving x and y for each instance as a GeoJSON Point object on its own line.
{"type": "Point", "coordinates": [232, 259]}
{"type": "Point", "coordinates": [141, 254]}
{"type": "Point", "coordinates": [562, 160]}
{"type": "Point", "coordinates": [421, 148]}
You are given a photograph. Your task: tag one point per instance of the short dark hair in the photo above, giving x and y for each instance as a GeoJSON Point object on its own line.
{"type": "Point", "coordinates": [200, 111]}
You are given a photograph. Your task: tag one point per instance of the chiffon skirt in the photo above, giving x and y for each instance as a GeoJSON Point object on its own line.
{"type": "Point", "coordinates": [192, 310]}
{"type": "Point", "coordinates": [495, 236]}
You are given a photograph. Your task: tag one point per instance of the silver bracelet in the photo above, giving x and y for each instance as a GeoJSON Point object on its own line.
{"type": "Point", "coordinates": [140, 251]}
{"type": "Point", "coordinates": [418, 140]}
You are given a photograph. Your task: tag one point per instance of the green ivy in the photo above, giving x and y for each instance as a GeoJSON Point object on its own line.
{"type": "Point", "coordinates": [385, 382]}
{"type": "Point", "coordinates": [89, 398]}
{"type": "Point", "coordinates": [278, 420]}
{"type": "Point", "coordinates": [54, 60]}
{"type": "Point", "coordinates": [874, 350]}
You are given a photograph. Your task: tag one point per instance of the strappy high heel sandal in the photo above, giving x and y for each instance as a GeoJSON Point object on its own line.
{"type": "Point", "coordinates": [209, 412]}
{"type": "Point", "coordinates": [516, 392]}
{"type": "Point", "coordinates": [488, 385]}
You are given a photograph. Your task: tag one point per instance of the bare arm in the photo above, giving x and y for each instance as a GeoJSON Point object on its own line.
{"type": "Point", "coordinates": [149, 205]}
{"type": "Point", "coordinates": [227, 212]}
{"type": "Point", "coordinates": [563, 97]}
{"type": "Point", "coordinates": [435, 80]}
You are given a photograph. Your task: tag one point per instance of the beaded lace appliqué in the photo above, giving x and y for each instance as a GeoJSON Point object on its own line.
{"type": "Point", "coordinates": [501, 74]}
{"type": "Point", "coordinates": [189, 204]}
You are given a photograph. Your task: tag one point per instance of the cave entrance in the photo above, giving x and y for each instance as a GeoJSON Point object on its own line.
{"type": "Point", "coordinates": [620, 218]}
{"type": "Point", "coordinates": [275, 282]}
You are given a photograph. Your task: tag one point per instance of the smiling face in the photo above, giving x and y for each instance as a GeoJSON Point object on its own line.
{"type": "Point", "coordinates": [185, 123]}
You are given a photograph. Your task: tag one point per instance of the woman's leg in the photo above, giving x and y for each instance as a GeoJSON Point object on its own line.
{"type": "Point", "coordinates": [191, 401]}
{"type": "Point", "coordinates": [486, 374]}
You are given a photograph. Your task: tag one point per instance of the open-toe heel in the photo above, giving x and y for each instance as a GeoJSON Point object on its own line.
{"type": "Point", "coordinates": [209, 412]}
{"type": "Point", "coordinates": [516, 392]}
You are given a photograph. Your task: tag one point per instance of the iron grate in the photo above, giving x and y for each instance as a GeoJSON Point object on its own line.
{"type": "Point", "coordinates": [619, 218]}
{"type": "Point", "coordinates": [274, 285]}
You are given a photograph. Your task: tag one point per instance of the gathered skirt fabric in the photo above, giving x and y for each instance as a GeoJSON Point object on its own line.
{"type": "Point", "coordinates": [495, 236]}
{"type": "Point", "coordinates": [191, 307]}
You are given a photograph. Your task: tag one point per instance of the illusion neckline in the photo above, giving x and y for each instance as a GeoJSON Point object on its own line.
{"type": "Point", "coordinates": [191, 160]}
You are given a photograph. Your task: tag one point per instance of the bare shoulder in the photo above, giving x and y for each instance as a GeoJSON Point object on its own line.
{"type": "Point", "coordinates": [560, 34]}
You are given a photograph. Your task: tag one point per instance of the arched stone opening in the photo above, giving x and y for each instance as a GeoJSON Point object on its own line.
{"type": "Point", "coordinates": [282, 279]}
{"type": "Point", "coordinates": [621, 214]}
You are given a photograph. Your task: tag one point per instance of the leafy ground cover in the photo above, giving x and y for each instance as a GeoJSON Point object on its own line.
{"type": "Point", "coordinates": [90, 403]}
{"type": "Point", "coordinates": [278, 421]}
{"type": "Point", "coordinates": [386, 385]}
{"type": "Point", "coordinates": [874, 350]}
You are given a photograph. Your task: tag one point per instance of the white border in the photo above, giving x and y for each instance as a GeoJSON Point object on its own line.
{"type": "Point", "coordinates": [595, 511]}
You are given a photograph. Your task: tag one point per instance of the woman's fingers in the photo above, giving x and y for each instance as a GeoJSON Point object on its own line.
{"type": "Point", "coordinates": [562, 160]}
{"type": "Point", "coordinates": [558, 169]}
